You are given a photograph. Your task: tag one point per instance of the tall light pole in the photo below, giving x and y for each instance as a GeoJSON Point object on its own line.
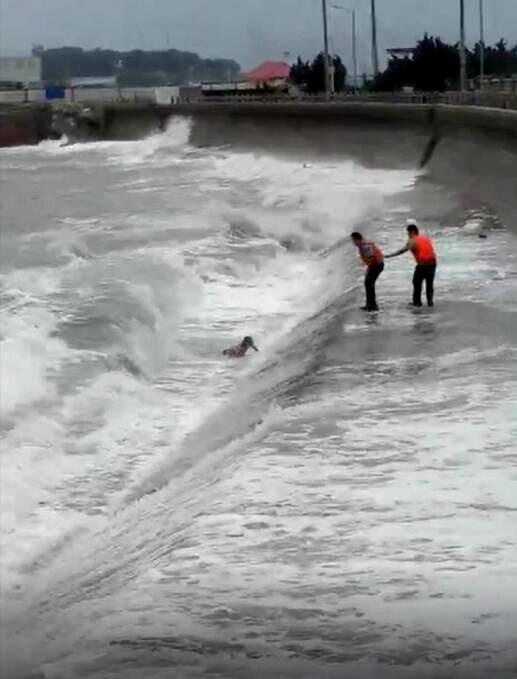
{"type": "Point", "coordinates": [463, 59]}
{"type": "Point", "coordinates": [354, 48]}
{"type": "Point", "coordinates": [326, 47]}
{"type": "Point", "coordinates": [375, 53]}
{"type": "Point", "coordinates": [481, 45]}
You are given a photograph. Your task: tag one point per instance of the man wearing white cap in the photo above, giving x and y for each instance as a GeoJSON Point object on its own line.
{"type": "Point", "coordinates": [421, 247]}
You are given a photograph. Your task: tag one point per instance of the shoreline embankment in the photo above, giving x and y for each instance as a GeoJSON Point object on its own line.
{"type": "Point", "coordinates": [24, 124]}
{"type": "Point", "coordinates": [446, 115]}
{"type": "Point", "coordinates": [32, 123]}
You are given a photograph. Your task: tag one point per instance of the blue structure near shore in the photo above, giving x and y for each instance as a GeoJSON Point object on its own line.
{"type": "Point", "coordinates": [54, 92]}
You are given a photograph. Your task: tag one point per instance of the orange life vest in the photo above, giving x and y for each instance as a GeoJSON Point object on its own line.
{"type": "Point", "coordinates": [370, 253]}
{"type": "Point", "coordinates": [422, 249]}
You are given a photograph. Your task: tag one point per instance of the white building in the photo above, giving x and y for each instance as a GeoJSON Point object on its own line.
{"type": "Point", "coordinates": [166, 95]}
{"type": "Point", "coordinates": [401, 52]}
{"type": "Point", "coordinates": [92, 81]}
{"type": "Point", "coordinates": [24, 70]}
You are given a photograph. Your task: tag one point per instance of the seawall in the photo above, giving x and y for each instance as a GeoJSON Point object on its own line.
{"type": "Point", "coordinates": [24, 124]}
{"type": "Point", "coordinates": [451, 116]}
{"type": "Point", "coordinates": [30, 123]}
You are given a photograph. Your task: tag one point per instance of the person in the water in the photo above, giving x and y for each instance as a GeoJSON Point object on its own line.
{"type": "Point", "coordinates": [373, 260]}
{"type": "Point", "coordinates": [239, 350]}
{"type": "Point", "coordinates": [421, 247]}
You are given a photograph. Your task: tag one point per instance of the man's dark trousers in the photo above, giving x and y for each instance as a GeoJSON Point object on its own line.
{"type": "Point", "coordinates": [372, 274]}
{"type": "Point", "coordinates": [424, 272]}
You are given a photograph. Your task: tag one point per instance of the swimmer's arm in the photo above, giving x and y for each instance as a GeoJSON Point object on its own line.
{"type": "Point", "coordinates": [406, 248]}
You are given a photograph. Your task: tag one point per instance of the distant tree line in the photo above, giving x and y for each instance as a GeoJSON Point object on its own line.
{"type": "Point", "coordinates": [435, 66]}
{"type": "Point", "coordinates": [135, 68]}
{"type": "Point", "coordinates": [309, 76]}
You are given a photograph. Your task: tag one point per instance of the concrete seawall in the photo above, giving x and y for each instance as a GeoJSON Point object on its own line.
{"type": "Point", "coordinates": [24, 124]}
{"type": "Point", "coordinates": [117, 121]}
{"type": "Point", "coordinates": [493, 119]}
{"type": "Point", "coordinates": [29, 124]}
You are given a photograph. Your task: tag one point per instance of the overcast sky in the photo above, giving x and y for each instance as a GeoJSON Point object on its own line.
{"type": "Point", "coordinates": [249, 31]}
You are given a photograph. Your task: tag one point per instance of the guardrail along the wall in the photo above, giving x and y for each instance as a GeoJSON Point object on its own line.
{"type": "Point", "coordinates": [504, 100]}
{"type": "Point", "coordinates": [499, 99]}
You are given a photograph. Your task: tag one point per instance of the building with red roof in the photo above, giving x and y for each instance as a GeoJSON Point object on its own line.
{"type": "Point", "coordinates": [270, 77]}
{"type": "Point", "coordinates": [268, 72]}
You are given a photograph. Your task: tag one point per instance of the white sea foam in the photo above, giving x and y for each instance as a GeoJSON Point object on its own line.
{"type": "Point", "coordinates": [351, 467]}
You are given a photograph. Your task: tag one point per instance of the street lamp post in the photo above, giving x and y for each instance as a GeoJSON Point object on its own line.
{"type": "Point", "coordinates": [119, 67]}
{"type": "Point", "coordinates": [354, 48]}
{"type": "Point", "coordinates": [375, 53]}
{"type": "Point", "coordinates": [481, 45]}
{"type": "Point", "coordinates": [326, 48]}
{"type": "Point", "coordinates": [463, 60]}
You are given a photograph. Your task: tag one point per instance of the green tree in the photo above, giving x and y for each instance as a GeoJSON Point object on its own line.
{"type": "Point", "coordinates": [300, 73]}
{"type": "Point", "coordinates": [310, 76]}
{"type": "Point", "coordinates": [340, 74]}
{"type": "Point", "coordinates": [435, 66]}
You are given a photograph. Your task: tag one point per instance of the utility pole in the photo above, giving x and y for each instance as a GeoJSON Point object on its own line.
{"type": "Point", "coordinates": [354, 48]}
{"type": "Point", "coordinates": [375, 53]}
{"type": "Point", "coordinates": [463, 60]}
{"type": "Point", "coordinates": [326, 48]}
{"type": "Point", "coordinates": [481, 45]}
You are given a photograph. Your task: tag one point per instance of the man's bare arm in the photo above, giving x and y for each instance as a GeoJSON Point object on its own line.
{"type": "Point", "coordinates": [406, 247]}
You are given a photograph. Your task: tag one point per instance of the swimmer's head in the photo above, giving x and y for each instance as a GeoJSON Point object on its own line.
{"type": "Point", "coordinates": [412, 227]}
{"type": "Point", "coordinates": [248, 342]}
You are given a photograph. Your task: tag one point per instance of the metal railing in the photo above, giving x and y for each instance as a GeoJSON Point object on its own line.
{"type": "Point", "coordinates": [500, 99]}
{"type": "Point", "coordinates": [80, 95]}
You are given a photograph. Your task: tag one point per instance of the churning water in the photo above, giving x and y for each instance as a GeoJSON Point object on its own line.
{"type": "Point", "coordinates": [342, 503]}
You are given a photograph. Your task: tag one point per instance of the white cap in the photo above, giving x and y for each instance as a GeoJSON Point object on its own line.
{"type": "Point", "coordinates": [411, 222]}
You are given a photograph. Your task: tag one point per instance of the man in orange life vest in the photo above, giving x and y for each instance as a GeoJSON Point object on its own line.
{"type": "Point", "coordinates": [373, 259]}
{"type": "Point", "coordinates": [421, 247]}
